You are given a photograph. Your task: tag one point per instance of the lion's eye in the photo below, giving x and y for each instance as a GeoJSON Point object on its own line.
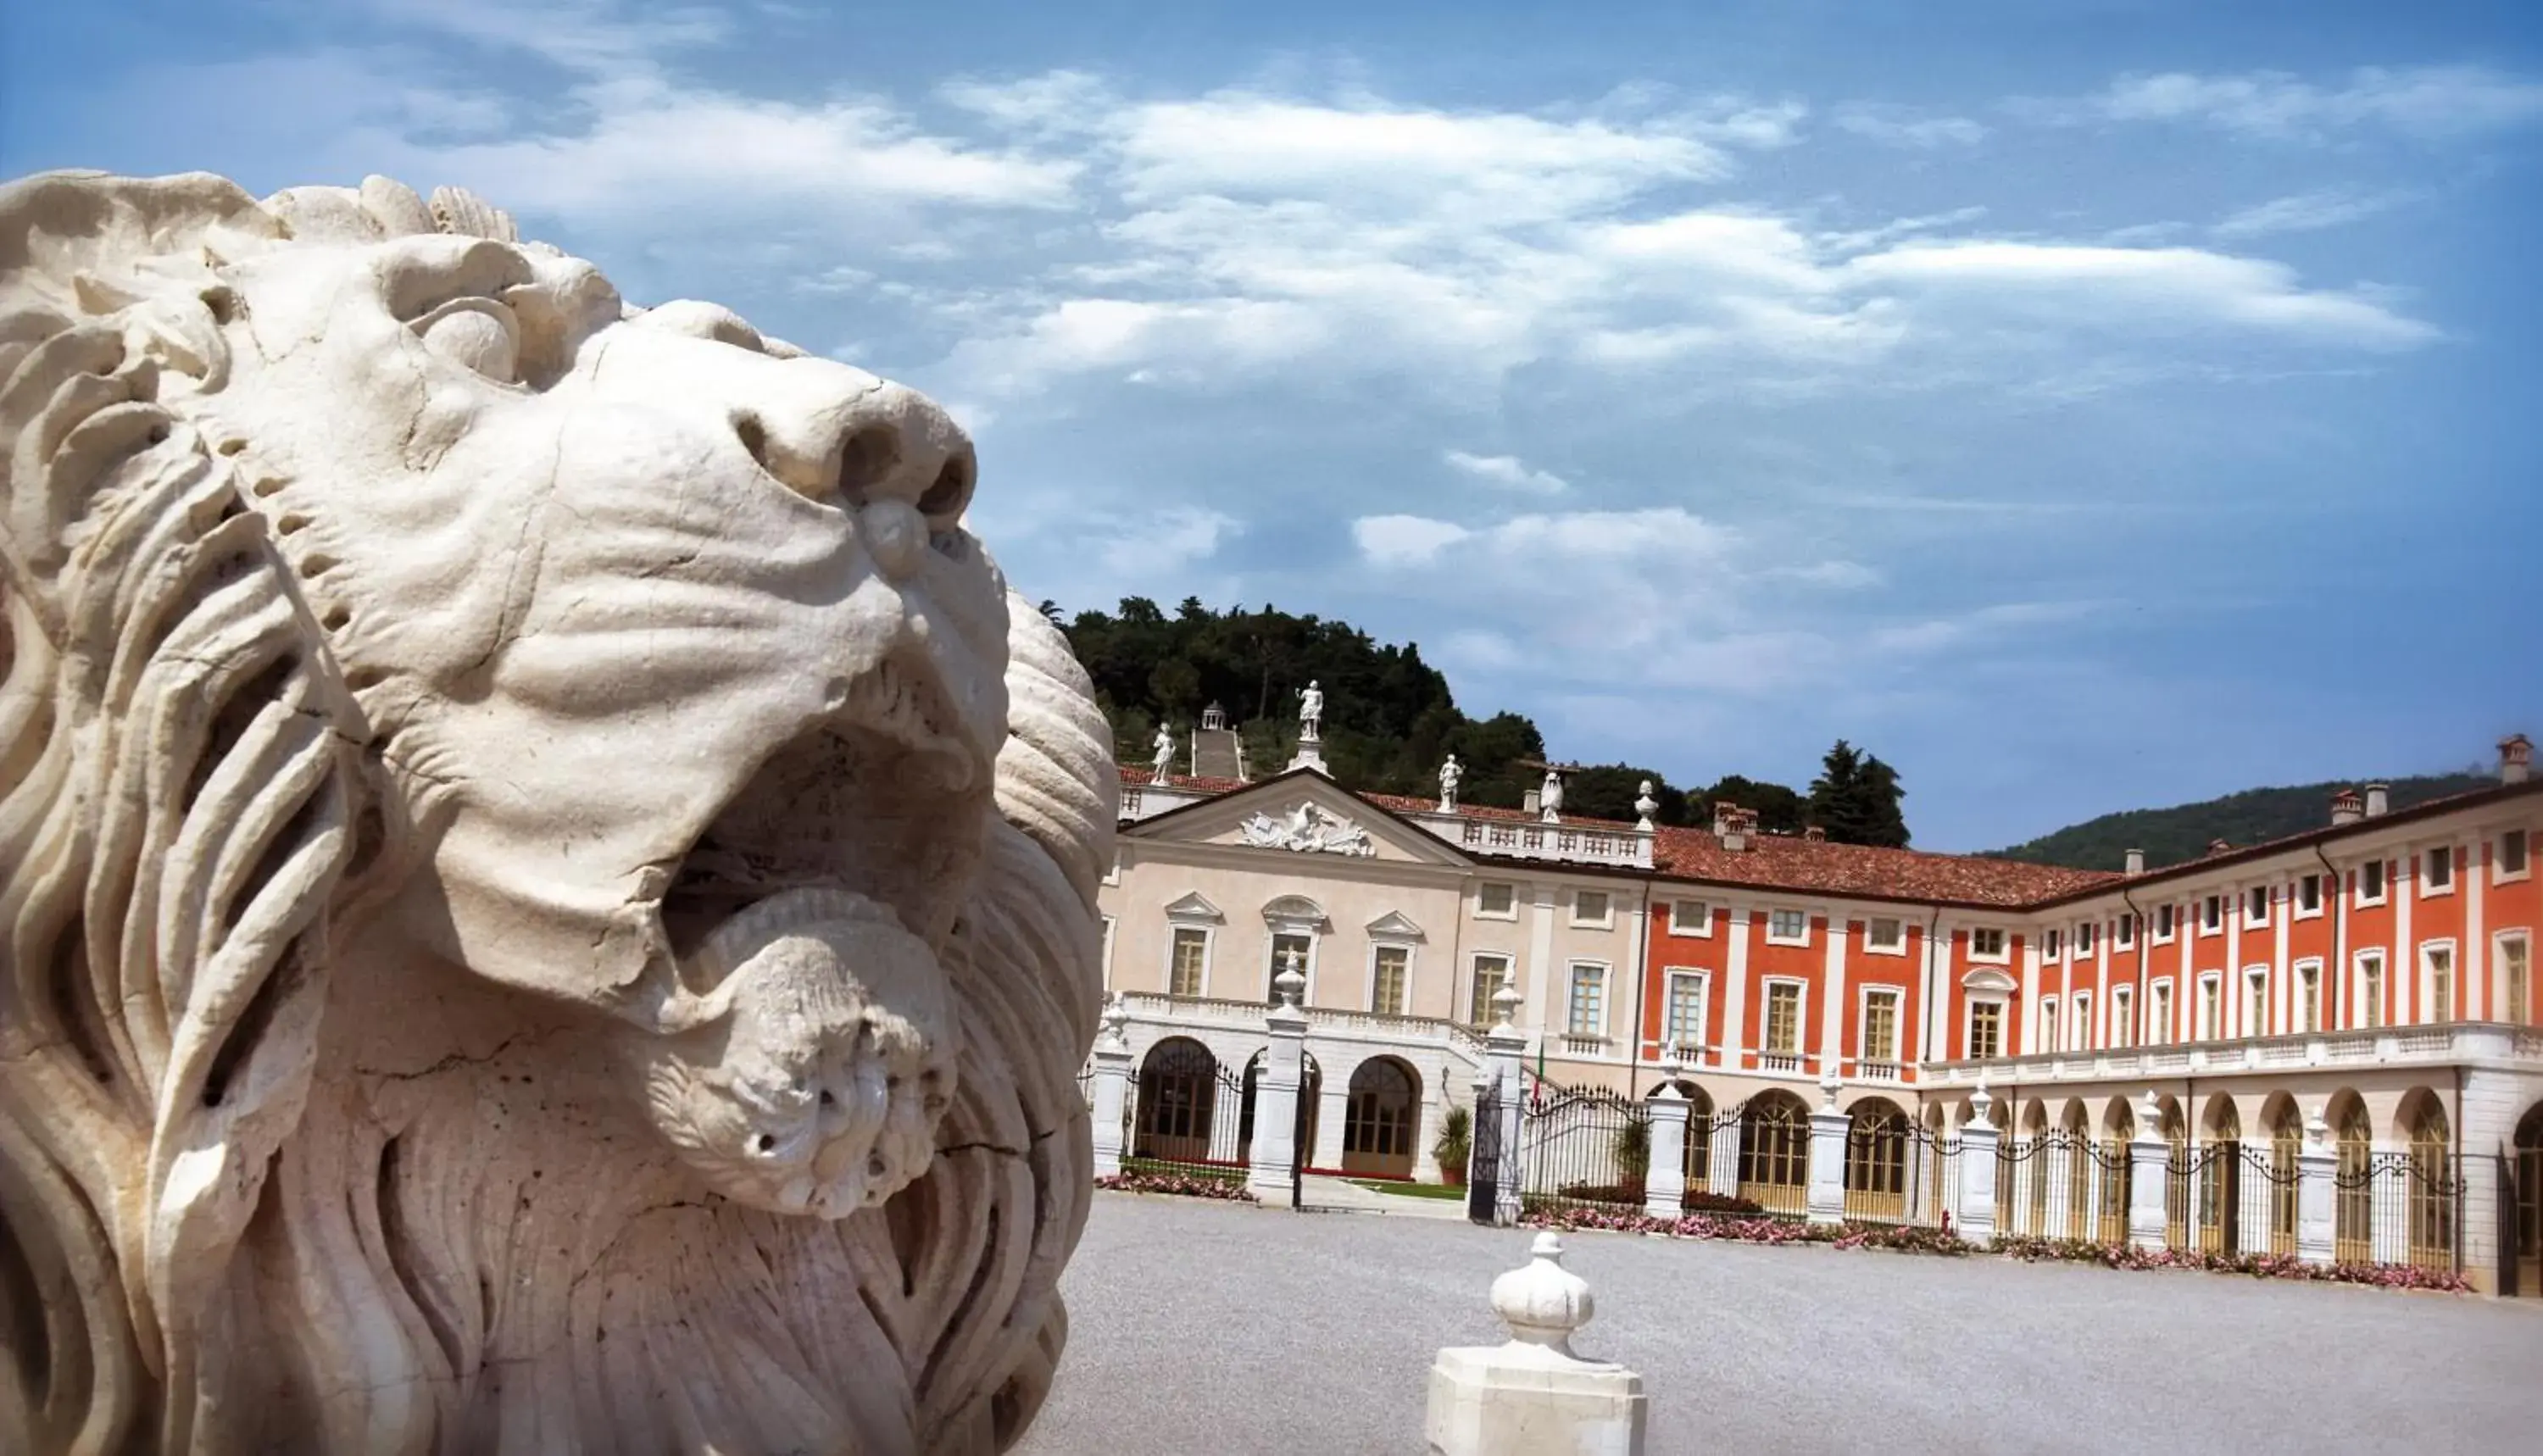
{"type": "Point", "coordinates": [477, 333]}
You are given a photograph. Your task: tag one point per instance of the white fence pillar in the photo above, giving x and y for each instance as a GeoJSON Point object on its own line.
{"type": "Point", "coordinates": [1272, 1163]}
{"type": "Point", "coordinates": [1829, 1129]}
{"type": "Point", "coordinates": [2149, 1177]}
{"type": "Point", "coordinates": [1506, 1046]}
{"type": "Point", "coordinates": [1979, 1172]}
{"type": "Point", "coordinates": [1112, 1094]}
{"type": "Point", "coordinates": [1664, 1181]}
{"type": "Point", "coordinates": [1725, 1179]}
{"type": "Point", "coordinates": [2316, 1163]}
{"type": "Point", "coordinates": [2388, 1191]}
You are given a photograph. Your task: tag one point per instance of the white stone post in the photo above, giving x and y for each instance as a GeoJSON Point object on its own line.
{"type": "Point", "coordinates": [1725, 1161]}
{"type": "Point", "coordinates": [1979, 1171]}
{"type": "Point", "coordinates": [1425, 1132]}
{"type": "Point", "coordinates": [1829, 1129]}
{"type": "Point", "coordinates": [2149, 1176]}
{"type": "Point", "coordinates": [1507, 1048]}
{"type": "Point", "coordinates": [2052, 1161]}
{"type": "Point", "coordinates": [2316, 1165]}
{"type": "Point", "coordinates": [1533, 1396]}
{"type": "Point", "coordinates": [1664, 1180]}
{"type": "Point", "coordinates": [2388, 1233]}
{"type": "Point", "coordinates": [1112, 1093]}
{"type": "Point", "coordinates": [1272, 1163]}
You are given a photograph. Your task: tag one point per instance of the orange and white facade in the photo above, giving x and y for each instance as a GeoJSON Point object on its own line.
{"type": "Point", "coordinates": [2377, 973]}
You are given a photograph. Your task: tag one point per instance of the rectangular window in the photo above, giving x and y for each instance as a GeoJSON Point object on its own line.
{"type": "Point", "coordinates": [1685, 1009]}
{"type": "Point", "coordinates": [1290, 951]}
{"type": "Point", "coordinates": [2370, 989]}
{"type": "Point", "coordinates": [1884, 934]}
{"type": "Point", "coordinates": [2440, 872]}
{"type": "Point", "coordinates": [2256, 905]}
{"type": "Point", "coordinates": [1386, 989]}
{"type": "Point", "coordinates": [1589, 907]}
{"type": "Point", "coordinates": [2514, 952]}
{"type": "Point", "coordinates": [1783, 1018]}
{"type": "Point", "coordinates": [2309, 893]}
{"type": "Point", "coordinates": [1192, 960]}
{"type": "Point", "coordinates": [1987, 943]}
{"type": "Point", "coordinates": [1496, 901]}
{"type": "Point", "coordinates": [2370, 882]}
{"type": "Point", "coordinates": [1586, 1015]}
{"type": "Point", "coordinates": [2123, 1033]}
{"type": "Point", "coordinates": [1691, 918]}
{"type": "Point", "coordinates": [2084, 937]}
{"type": "Point", "coordinates": [2126, 932]}
{"type": "Point", "coordinates": [2256, 1003]}
{"type": "Point", "coordinates": [2211, 914]}
{"type": "Point", "coordinates": [2159, 1021]}
{"type": "Point", "coordinates": [1987, 1029]}
{"type": "Point", "coordinates": [2163, 922]}
{"type": "Point", "coordinates": [1492, 973]}
{"type": "Point", "coordinates": [2440, 961]}
{"type": "Point", "coordinates": [1880, 1025]}
{"type": "Point", "coordinates": [2510, 858]}
{"type": "Point", "coordinates": [2080, 1020]}
{"type": "Point", "coordinates": [2309, 996]}
{"type": "Point", "coordinates": [2050, 943]}
{"type": "Point", "coordinates": [1107, 963]}
{"type": "Point", "coordinates": [2049, 1026]}
{"type": "Point", "coordinates": [2211, 1006]}
{"type": "Point", "coordinates": [1789, 927]}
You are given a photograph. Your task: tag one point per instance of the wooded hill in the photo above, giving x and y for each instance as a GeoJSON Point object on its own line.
{"type": "Point", "coordinates": [1390, 719]}
{"type": "Point", "coordinates": [2180, 833]}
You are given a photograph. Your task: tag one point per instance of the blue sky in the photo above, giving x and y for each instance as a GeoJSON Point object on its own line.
{"type": "Point", "coordinates": [2084, 405]}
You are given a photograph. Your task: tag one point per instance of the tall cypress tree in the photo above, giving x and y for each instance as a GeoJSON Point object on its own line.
{"type": "Point", "coordinates": [1855, 798]}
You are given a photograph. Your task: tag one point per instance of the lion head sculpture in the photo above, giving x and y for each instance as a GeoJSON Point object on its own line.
{"type": "Point", "coordinates": [546, 886]}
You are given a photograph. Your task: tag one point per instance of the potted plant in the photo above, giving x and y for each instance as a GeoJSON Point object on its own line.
{"type": "Point", "coordinates": [1456, 1143]}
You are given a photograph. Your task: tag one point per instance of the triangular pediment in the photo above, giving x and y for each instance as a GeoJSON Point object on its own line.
{"type": "Point", "coordinates": [1393, 926]}
{"type": "Point", "coordinates": [1301, 815]}
{"type": "Point", "coordinates": [1195, 906]}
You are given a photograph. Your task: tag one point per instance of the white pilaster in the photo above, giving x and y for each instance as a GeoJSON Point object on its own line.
{"type": "Point", "coordinates": [1979, 1171]}
{"type": "Point", "coordinates": [1112, 1094]}
{"type": "Point", "coordinates": [2316, 1163]}
{"type": "Point", "coordinates": [2149, 1167]}
{"type": "Point", "coordinates": [1829, 1129]}
{"type": "Point", "coordinates": [1735, 1007]}
{"type": "Point", "coordinates": [1272, 1163]}
{"type": "Point", "coordinates": [1665, 1182]}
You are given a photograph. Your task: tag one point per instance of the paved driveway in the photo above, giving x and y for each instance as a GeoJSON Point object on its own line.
{"type": "Point", "coordinates": [1204, 1328]}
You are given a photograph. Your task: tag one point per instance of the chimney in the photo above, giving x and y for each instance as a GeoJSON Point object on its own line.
{"type": "Point", "coordinates": [2346, 807]}
{"type": "Point", "coordinates": [1532, 802]}
{"type": "Point", "coordinates": [1733, 824]}
{"type": "Point", "coordinates": [2136, 860]}
{"type": "Point", "coordinates": [1815, 834]}
{"type": "Point", "coordinates": [2376, 801]}
{"type": "Point", "coordinates": [2218, 846]}
{"type": "Point", "coordinates": [1724, 815]}
{"type": "Point", "coordinates": [2516, 759]}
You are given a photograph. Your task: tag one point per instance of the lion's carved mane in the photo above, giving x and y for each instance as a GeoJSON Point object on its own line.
{"type": "Point", "coordinates": [229, 1219]}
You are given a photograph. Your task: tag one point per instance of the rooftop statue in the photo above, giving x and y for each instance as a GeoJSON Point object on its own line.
{"type": "Point", "coordinates": [525, 823]}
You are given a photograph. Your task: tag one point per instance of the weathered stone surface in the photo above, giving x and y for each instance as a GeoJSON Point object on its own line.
{"type": "Point", "coordinates": [546, 885]}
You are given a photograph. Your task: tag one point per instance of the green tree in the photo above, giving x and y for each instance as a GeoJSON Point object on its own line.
{"type": "Point", "coordinates": [1855, 798]}
{"type": "Point", "coordinates": [1779, 809]}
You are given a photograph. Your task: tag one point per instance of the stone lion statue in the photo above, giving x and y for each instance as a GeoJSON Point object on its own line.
{"type": "Point", "coordinates": [546, 885]}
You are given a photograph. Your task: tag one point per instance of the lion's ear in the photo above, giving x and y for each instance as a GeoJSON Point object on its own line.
{"type": "Point", "coordinates": [1055, 776]}
{"type": "Point", "coordinates": [178, 766]}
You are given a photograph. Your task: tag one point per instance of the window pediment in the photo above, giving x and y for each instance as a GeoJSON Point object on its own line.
{"type": "Point", "coordinates": [1295, 912]}
{"type": "Point", "coordinates": [1393, 926]}
{"type": "Point", "coordinates": [1988, 981]}
{"type": "Point", "coordinates": [1196, 907]}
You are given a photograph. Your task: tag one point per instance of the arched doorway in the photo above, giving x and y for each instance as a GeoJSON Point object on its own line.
{"type": "Point", "coordinates": [2287, 1145]}
{"type": "Point", "coordinates": [2114, 1171]}
{"type": "Point", "coordinates": [2528, 1168]}
{"type": "Point", "coordinates": [1312, 1080]}
{"type": "Point", "coordinates": [2075, 1127]}
{"type": "Point", "coordinates": [2431, 1190]}
{"type": "Point", "coordinates": [1180, 1117]}
{"type": "Point", "coordinates": [1775, 1153]}
{"type": "Point", "coordinates": [2217, 1183]}
{"type": "Point", "coordinates": [2353, 1196]}
{"type": "Point", "coordinates": [1381, 1117]}
{"type": "Point", "coordinates": [1876, 1161]}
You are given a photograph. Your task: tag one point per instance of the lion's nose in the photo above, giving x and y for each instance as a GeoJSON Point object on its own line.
{"type": "Point", "coordinates": [836, 436]}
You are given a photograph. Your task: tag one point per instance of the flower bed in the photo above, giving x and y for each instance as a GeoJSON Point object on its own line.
{"type": "Point", "coordinates": [1181, 1185]}
{"type": "Point", "coordinates": [2258, 1265]}
{"type": "Point", "coordinates": [1904, 1238]}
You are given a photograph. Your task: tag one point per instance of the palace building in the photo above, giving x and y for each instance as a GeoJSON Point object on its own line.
{"type": "Point", "coordinates": [2376, 974]}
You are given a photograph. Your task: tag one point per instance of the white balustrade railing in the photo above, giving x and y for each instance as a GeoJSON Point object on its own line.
{"type": "Point", "coordinates": [2406, 1044]}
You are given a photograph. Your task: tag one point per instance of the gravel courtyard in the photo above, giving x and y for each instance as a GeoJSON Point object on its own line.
{"type": "Point", "coordinates": [1202, 1328]}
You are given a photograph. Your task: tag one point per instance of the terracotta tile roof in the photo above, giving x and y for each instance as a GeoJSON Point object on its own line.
{"type": "Point", "coordinates": [1779, 862]}
{"type": "Point", "coordinates": [1131, 777]}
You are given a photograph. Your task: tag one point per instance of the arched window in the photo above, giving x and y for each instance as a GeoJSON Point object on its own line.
{"type": "Point", "coordinates": [1775, 1154]}
{"type": "Point", "coordinates": [2431, 1189]}
{"type": "Point", "coordinates": [1179, 1086]}
{"type": "Point", "coordinates": [1380, 1117]}
{"type": "Point", "coordinates": [1875, 1162]}
{"type": "Point", "coordinates": [2352, 1204]}
{"type": "Point", "coordinates": [2118, 1172]}
{"type": "Point", "coordinates": [2287, 1145]}
{"type": "Point", "coordinates": [2218, 1181]}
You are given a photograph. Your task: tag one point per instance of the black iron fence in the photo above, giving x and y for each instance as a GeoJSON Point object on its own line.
{"type": "Point", "coordinates": [1583, 1148]}
{"type": "Point", "coordinates": [2398, 1207]}
{"type": "Point", "coordinates": [2061, 1185]}
{"type": "Point", "coordinates": [1190, 1114]}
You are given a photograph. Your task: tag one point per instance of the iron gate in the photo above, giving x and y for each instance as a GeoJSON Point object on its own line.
{"type": "Point", "coordinates": [1484, 1159]}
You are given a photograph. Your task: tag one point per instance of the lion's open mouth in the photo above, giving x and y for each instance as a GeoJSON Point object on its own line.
{"type": "Point", "coordinates": [857, 802]}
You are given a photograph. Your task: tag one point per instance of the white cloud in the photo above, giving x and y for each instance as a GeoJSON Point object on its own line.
{"type": "Point", "coordinates": [2305, 212]}
{"type": "Point", "coordinates": [2419, 100]}
{"type": "Point", "coordinates": [1168, 540]}
{"type": "Point", "coordinates": [1404, 540]}
{"type": "Point", "coordinates": [1506, 472]}
{"type": "Point", "coordinates": [1907, 127]}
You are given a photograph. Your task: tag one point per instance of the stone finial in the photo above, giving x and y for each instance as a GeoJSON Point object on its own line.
{"type": "Point", "coordinates": [2317, 1132]}
{"type": "Point", "coordinates": [1505, 1009]}
{"type": "Point", "coordinates": [1541, 1301]}
{"type": "Point", "coordinates": [1115, 1017]}
{"type": "Point", "coordinates": [1979, 1101]}
{"type": "Point", "coordinates": [1643, 808]}
{"type": "Point", "coordinates": [2149, 1115]}
{"type": "Point", "coordinates": [1829, 1084]}
{"type": "Point", "coordinates": [1291, 986]}
{"type": "Point", "coordinates": [1670, 1065]}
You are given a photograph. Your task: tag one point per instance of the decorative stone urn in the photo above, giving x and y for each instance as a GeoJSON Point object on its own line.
{"type": "Point", "coordinates": [1533, 1397]}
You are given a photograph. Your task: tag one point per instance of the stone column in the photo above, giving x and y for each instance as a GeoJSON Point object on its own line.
{"type": "Point", "coordinates": [1272, 1160]}
{"type": "Point", "coordinates": [2316, 1163]}
{"type": "Point", "coordinates": [1974, 1219]}
{"type": "Point", "coordinates": [1507, 1046]}
{"type": "Point", "coordinates": [1665, 1182]}
{"type": "Point", "coordinates": [1533, 1395]}
{"type": "Point", "coordinates": [2149, 1172]}
{"type": "Point", "coordinates": [1112, 1093]}
{"type": "Point", "coordinates": [1829, 1129]}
